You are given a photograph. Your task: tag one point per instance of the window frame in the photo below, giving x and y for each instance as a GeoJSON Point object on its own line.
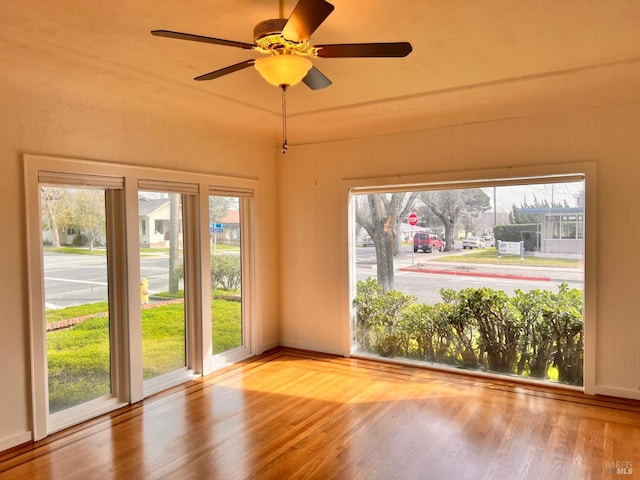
{"type": "Point", "coordinates": [475, 179]}
{"type": "Point", "coordinates": [247, 253]}
{"type": "Point", "coordinates": [129, 180]}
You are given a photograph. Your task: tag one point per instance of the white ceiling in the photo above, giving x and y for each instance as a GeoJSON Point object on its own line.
{"type": "Point", "coordinates": [471, 60]}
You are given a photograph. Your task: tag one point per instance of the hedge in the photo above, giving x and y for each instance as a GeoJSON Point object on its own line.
{"type": "Point", "coordinates": [482, 329]}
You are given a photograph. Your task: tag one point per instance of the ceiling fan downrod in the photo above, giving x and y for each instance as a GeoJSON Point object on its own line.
{"type": "Point", "coordinates": [285, 146]}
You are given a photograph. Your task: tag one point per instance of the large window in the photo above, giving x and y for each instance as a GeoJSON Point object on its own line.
{"type": "Point", "coordinates": [463, 276]}
{"type": "Point", "coordinates": [564, 227]}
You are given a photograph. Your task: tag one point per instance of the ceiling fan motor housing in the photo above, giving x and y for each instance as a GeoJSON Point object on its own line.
{"type": "Point", "coordinates": [268, 38]}
{"type": "Point", "coordinates": [273, 26]}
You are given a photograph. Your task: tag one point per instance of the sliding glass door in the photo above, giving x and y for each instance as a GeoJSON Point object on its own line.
{"type": "Point", "coordinates": [162, 283]}
{"type": "Point", "coordinates": [137, 283]}
{"type": "Point", "coordinates": [76, 296]}
{"type": "Point", "coordinates": [80, 337]}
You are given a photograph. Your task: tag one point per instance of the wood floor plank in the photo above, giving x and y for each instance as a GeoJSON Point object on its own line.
{"type": "Point", "coordinates": [296, 414]}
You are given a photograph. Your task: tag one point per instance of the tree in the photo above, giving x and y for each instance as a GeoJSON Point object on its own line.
{"type": "Point", "coordinates": [82, 209]}
{"type": "Point", "coordinates": [89, 214]}
{"type": "Point", "coordinates": [56, 211]}
{"type": "Point", "coordinates": [49, 198]}
{"type": "Point", "coordinates": [219, 207]}
{"type": "Point", "coordinates": [516, 217]}
{"type": "Point", "coordinates": [381, 215]}
{"type": "Point", "coordinates": [454, 207]}
{"type": "Point", "coordinates": [174, 241]}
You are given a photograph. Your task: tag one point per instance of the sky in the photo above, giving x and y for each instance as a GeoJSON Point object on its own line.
{"type": "Point", "coordinates": [551, 192]}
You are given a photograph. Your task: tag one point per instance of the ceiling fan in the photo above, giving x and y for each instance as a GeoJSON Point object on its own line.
{"type": "Point", "coordinates": [288, 49]}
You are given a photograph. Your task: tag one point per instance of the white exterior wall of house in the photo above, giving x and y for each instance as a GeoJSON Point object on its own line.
{"type": "Point", "coordinates": [562, 246]}
{"type": "Point", "coordinates": [67, 239]}
{"type": "Point", "coordinates": [150, 236]}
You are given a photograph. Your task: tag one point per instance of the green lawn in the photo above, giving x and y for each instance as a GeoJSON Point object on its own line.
{"type": "Point", "coordinates": [78, 363]}
{"type": "Point", "coordinates": [77, 250]}
{"type": "Point", "coordinates": [489, 255]}
{"type": "Point", "coordinates": [76, 311]}
{"type": "Point", "coordinates": [79, 358]}
{"type": "Point", "coordinates": [143, 250]}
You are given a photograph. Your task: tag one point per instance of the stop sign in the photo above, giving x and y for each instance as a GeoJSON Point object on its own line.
{"type": "Point", "coordinates": [413, 219]}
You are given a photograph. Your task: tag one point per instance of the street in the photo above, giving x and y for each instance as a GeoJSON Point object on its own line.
{"type": "Point", "coordinates": [426, 286]}
{"type": "Point", "coordinates": [75, 279]}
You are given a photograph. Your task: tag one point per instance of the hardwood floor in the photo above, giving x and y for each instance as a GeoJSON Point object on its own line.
{"type": "Point", "coordinates": [294, 414]}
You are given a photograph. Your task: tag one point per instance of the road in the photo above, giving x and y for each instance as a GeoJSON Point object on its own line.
{"type": "Point", "coordinates": [426, 286]}
{"type": "Point", "coordinates": [75, 279]}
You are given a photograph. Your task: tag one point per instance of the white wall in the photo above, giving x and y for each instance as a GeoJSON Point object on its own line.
{"type": "Point", "coordinates": [314, 250]}
{"type": "Point", "coordinates": [304, 299]}
{"type": "Point", "coordinates": [35, 120]}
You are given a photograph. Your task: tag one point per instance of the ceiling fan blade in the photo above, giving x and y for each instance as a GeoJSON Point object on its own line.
{"type": "Point", "coordinates": [200, 38]}
{"type": "Point", "coordinates": [343, 50]}
{"type": "Point", "coordinates": [315, 79]}
{"type": "Point", "coordinates": [226, 70]}
{"type": "Point", "coordinates": [305, 19]}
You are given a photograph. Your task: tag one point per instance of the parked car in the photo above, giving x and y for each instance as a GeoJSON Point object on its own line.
{"type": "Point", "coordinates": [472, 242]}
{"type": "Point", "coordinates": [367, 241]}
{"type": "Point", "coordinates": [427, 242]}
{"type": "Point", "coordinates": [488, 241]}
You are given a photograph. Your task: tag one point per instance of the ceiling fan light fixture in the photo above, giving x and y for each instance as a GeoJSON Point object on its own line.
{"type": "Point", "coordinates": [284, 69]}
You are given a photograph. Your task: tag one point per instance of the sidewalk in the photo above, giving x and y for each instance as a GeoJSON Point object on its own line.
{"type": "Point", "coordinates": [528, 272]}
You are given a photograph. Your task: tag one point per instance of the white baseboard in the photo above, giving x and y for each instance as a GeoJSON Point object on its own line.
{"type": "Point", "coordinates": [618, 392]}
{"type": "Point", "coordinates": [313, 347]}
{"type": "Point", "coordinates": [268, 346]}
{"type": "Point", "coordinates": [15, 440]}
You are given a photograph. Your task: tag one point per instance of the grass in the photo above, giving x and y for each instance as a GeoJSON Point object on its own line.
{"type": "Point", "coordinates": [163, 333]}
{"type": "Point", "coordinates": [143, 250]}
{"type": "Point", "coordinates": [227, 324]}
{"type": "Point", "coordinates": [79, 359]}
{"type": "Point", "coordinates": [77, 250]}
{"type": "Point", "coordinates": [226, 247]}
{"type": "Point", "coordinates": [490, 256]}
{"type": "Point", "coordinates": [76, 311]}
{"type": "Point", "coordinates": [78, 363]}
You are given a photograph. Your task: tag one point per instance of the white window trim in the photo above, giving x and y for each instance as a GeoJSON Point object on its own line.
{"type": "Point", "coordinates": [481, 178]}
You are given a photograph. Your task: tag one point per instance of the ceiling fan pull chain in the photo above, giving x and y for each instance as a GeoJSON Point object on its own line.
{"type": "Point", "coordinates": [284, 119]}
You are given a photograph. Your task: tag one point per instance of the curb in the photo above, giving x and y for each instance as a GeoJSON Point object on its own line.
{"type": "Point", "coordinates": [475, 274]}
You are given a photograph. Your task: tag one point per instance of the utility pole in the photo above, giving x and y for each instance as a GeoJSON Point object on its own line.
{"type": "Point", "coordinates": [495, 207]}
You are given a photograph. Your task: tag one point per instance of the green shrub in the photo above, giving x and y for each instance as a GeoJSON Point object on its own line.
{"type": "Point", "coordinates": [526, 232]}
{"type": "Point", "coordinates": [498, 323]}
{"type": "Point", "coordinates": [564, 316]}
{"type": "Point", "coordinates": [537, 333]}
{"type": "Point", "coordinates": [536, 339]}
{"type": "Point", "coordinates": [226, 272]}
